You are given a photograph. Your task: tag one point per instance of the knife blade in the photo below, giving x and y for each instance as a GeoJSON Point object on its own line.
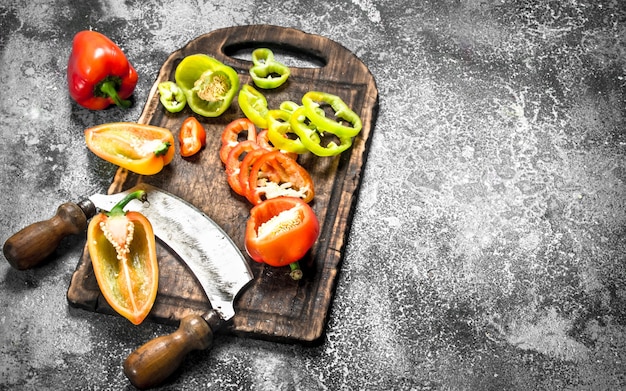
{"type": "Point", "coordinates": [208, 251]}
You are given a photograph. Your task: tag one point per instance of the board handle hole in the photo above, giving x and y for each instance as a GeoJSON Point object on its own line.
{"type": "Point", "coordinates": [288, 55]}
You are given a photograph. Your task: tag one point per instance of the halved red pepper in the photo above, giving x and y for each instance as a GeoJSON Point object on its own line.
{"type": "Point", "coordinates": [98, 73]}
{"type": "Point", "coordinates": [280, 231]}
{"type": "Point", "coordinates": [122, 249]}
{"type": "Point", "coordinates": [192, 137]}
{"type": "Point", "coordinates": [275, 174]}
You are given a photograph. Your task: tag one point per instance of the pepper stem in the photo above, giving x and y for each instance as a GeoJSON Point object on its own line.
{"type": "Point", "coordinates": [118, 209]}
{"type": "Point", "coordinates": [107, 87]}
{"type": "Point", "coordinates": [162, 149]}
{"type": "Point", "coordinates": [296, 272]}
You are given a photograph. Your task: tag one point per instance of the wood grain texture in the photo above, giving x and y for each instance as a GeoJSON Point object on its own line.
{"type": "Point", "coordinates": [273, 306]}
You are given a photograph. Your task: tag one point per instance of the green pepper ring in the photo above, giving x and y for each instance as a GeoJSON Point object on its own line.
{"type": "Point", "coordinates": [310, 99]}
{"type": "Point", "coordinates": [309, 136]}
{"type": "Point", "coordinates": [278, 128]}
{"type": "Point", "coordinates": [265, 66]}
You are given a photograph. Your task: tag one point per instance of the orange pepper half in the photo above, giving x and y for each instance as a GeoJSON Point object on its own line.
{"type": "Point", "coordinates": [122, 249]}
{"type": "Point", "coordinates": [143, 149]}
{"type": "Point", "coordinates": [280, 231]}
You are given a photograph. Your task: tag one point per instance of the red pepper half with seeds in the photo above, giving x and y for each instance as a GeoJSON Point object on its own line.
{"type": "Point", "coordinates": [280, 231]}
{"type": "Point", "coordinates": [98, 72]}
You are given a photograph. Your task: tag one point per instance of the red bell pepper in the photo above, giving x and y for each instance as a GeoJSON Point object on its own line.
{"type": "Point", "coordinates": [192, 137]}
{"type": "Point", "coordinates": [98, 72]}
{"type": "Point", "coordinates": [280, 231]}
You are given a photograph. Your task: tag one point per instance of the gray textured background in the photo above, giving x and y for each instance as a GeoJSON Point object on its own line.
{"type": "Point", "coordinates": [487, 250]}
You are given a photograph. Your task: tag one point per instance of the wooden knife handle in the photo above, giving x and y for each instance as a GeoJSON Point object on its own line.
{"type": "Point", "coordinates": [30, 246]}
{"type": "Point", "coordinates": [155, 361]}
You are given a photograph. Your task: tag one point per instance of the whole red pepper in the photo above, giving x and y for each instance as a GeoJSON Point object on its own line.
{"type": "Point", "coordinates": [98, 72]}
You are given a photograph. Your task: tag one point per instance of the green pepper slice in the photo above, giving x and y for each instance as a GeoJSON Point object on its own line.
{"type": "Point", "coordinates": [342, 111]}
{"type": "Point", "coordinates": [278, 130]}
{"type": "Point", "coordinates": [266, 72]}
{"type": "Point", "coordinates": [172, 97]}
{"type": "Point", "coordinates": [254, 105]}
{"type": "Point", "coordinates": [309, 135]}
{"type": "Point", "coordinates": [209, 85]}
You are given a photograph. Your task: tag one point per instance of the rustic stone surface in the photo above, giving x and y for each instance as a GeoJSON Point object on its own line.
{"type": "Point", "coordinates": [487, 248]}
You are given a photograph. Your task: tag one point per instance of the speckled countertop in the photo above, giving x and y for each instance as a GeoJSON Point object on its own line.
{"type": "Point", "coordinates": [488, 247]}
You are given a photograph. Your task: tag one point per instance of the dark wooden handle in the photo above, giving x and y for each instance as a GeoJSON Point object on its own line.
{"type": "Point", "coordinates": [155, 361]}
{"type": "Point", "coordinates": [30, 246]}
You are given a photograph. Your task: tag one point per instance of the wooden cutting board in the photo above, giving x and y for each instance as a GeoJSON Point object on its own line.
{"type": "Point", "coordinates": [273, 306]}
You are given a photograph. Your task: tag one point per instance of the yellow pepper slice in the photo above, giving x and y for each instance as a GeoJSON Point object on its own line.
{"type": "Point", "coordinates": [143, 149]}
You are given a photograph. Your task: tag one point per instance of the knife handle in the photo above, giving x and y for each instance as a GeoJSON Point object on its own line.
{"type": "Point", "coordinates": [155, 361]}
{"type": "Point", "coordinates": [31, 245]}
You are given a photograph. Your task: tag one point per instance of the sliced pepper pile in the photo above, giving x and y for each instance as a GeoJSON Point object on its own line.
{"type": "Point", "coordinates": [257, 171]}
{"type": "Point", "coordinates": [303, 128]}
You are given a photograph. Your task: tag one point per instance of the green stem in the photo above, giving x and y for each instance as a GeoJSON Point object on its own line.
{"type": "Point", "coordinates": [162, 149]}
{"type": "Point", "coordinates": [118, 209]}
{"type": "Point", "coordinates": [108, 88]}
{"type": "Point", "coordinates": [296, 272]}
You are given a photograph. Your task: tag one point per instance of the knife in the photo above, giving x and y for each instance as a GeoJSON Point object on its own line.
{"type": "Point", "coordinates": [199, 242]}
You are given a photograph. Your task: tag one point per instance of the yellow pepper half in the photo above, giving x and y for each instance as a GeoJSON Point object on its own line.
{"type": "Point", "coordinates": [122, 249]}
{"type": "Point", "coordinates": [143, 149]}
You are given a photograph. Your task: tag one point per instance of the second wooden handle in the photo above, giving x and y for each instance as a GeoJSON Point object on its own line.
{"type": "Point", "coordinates": [155, 361]}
